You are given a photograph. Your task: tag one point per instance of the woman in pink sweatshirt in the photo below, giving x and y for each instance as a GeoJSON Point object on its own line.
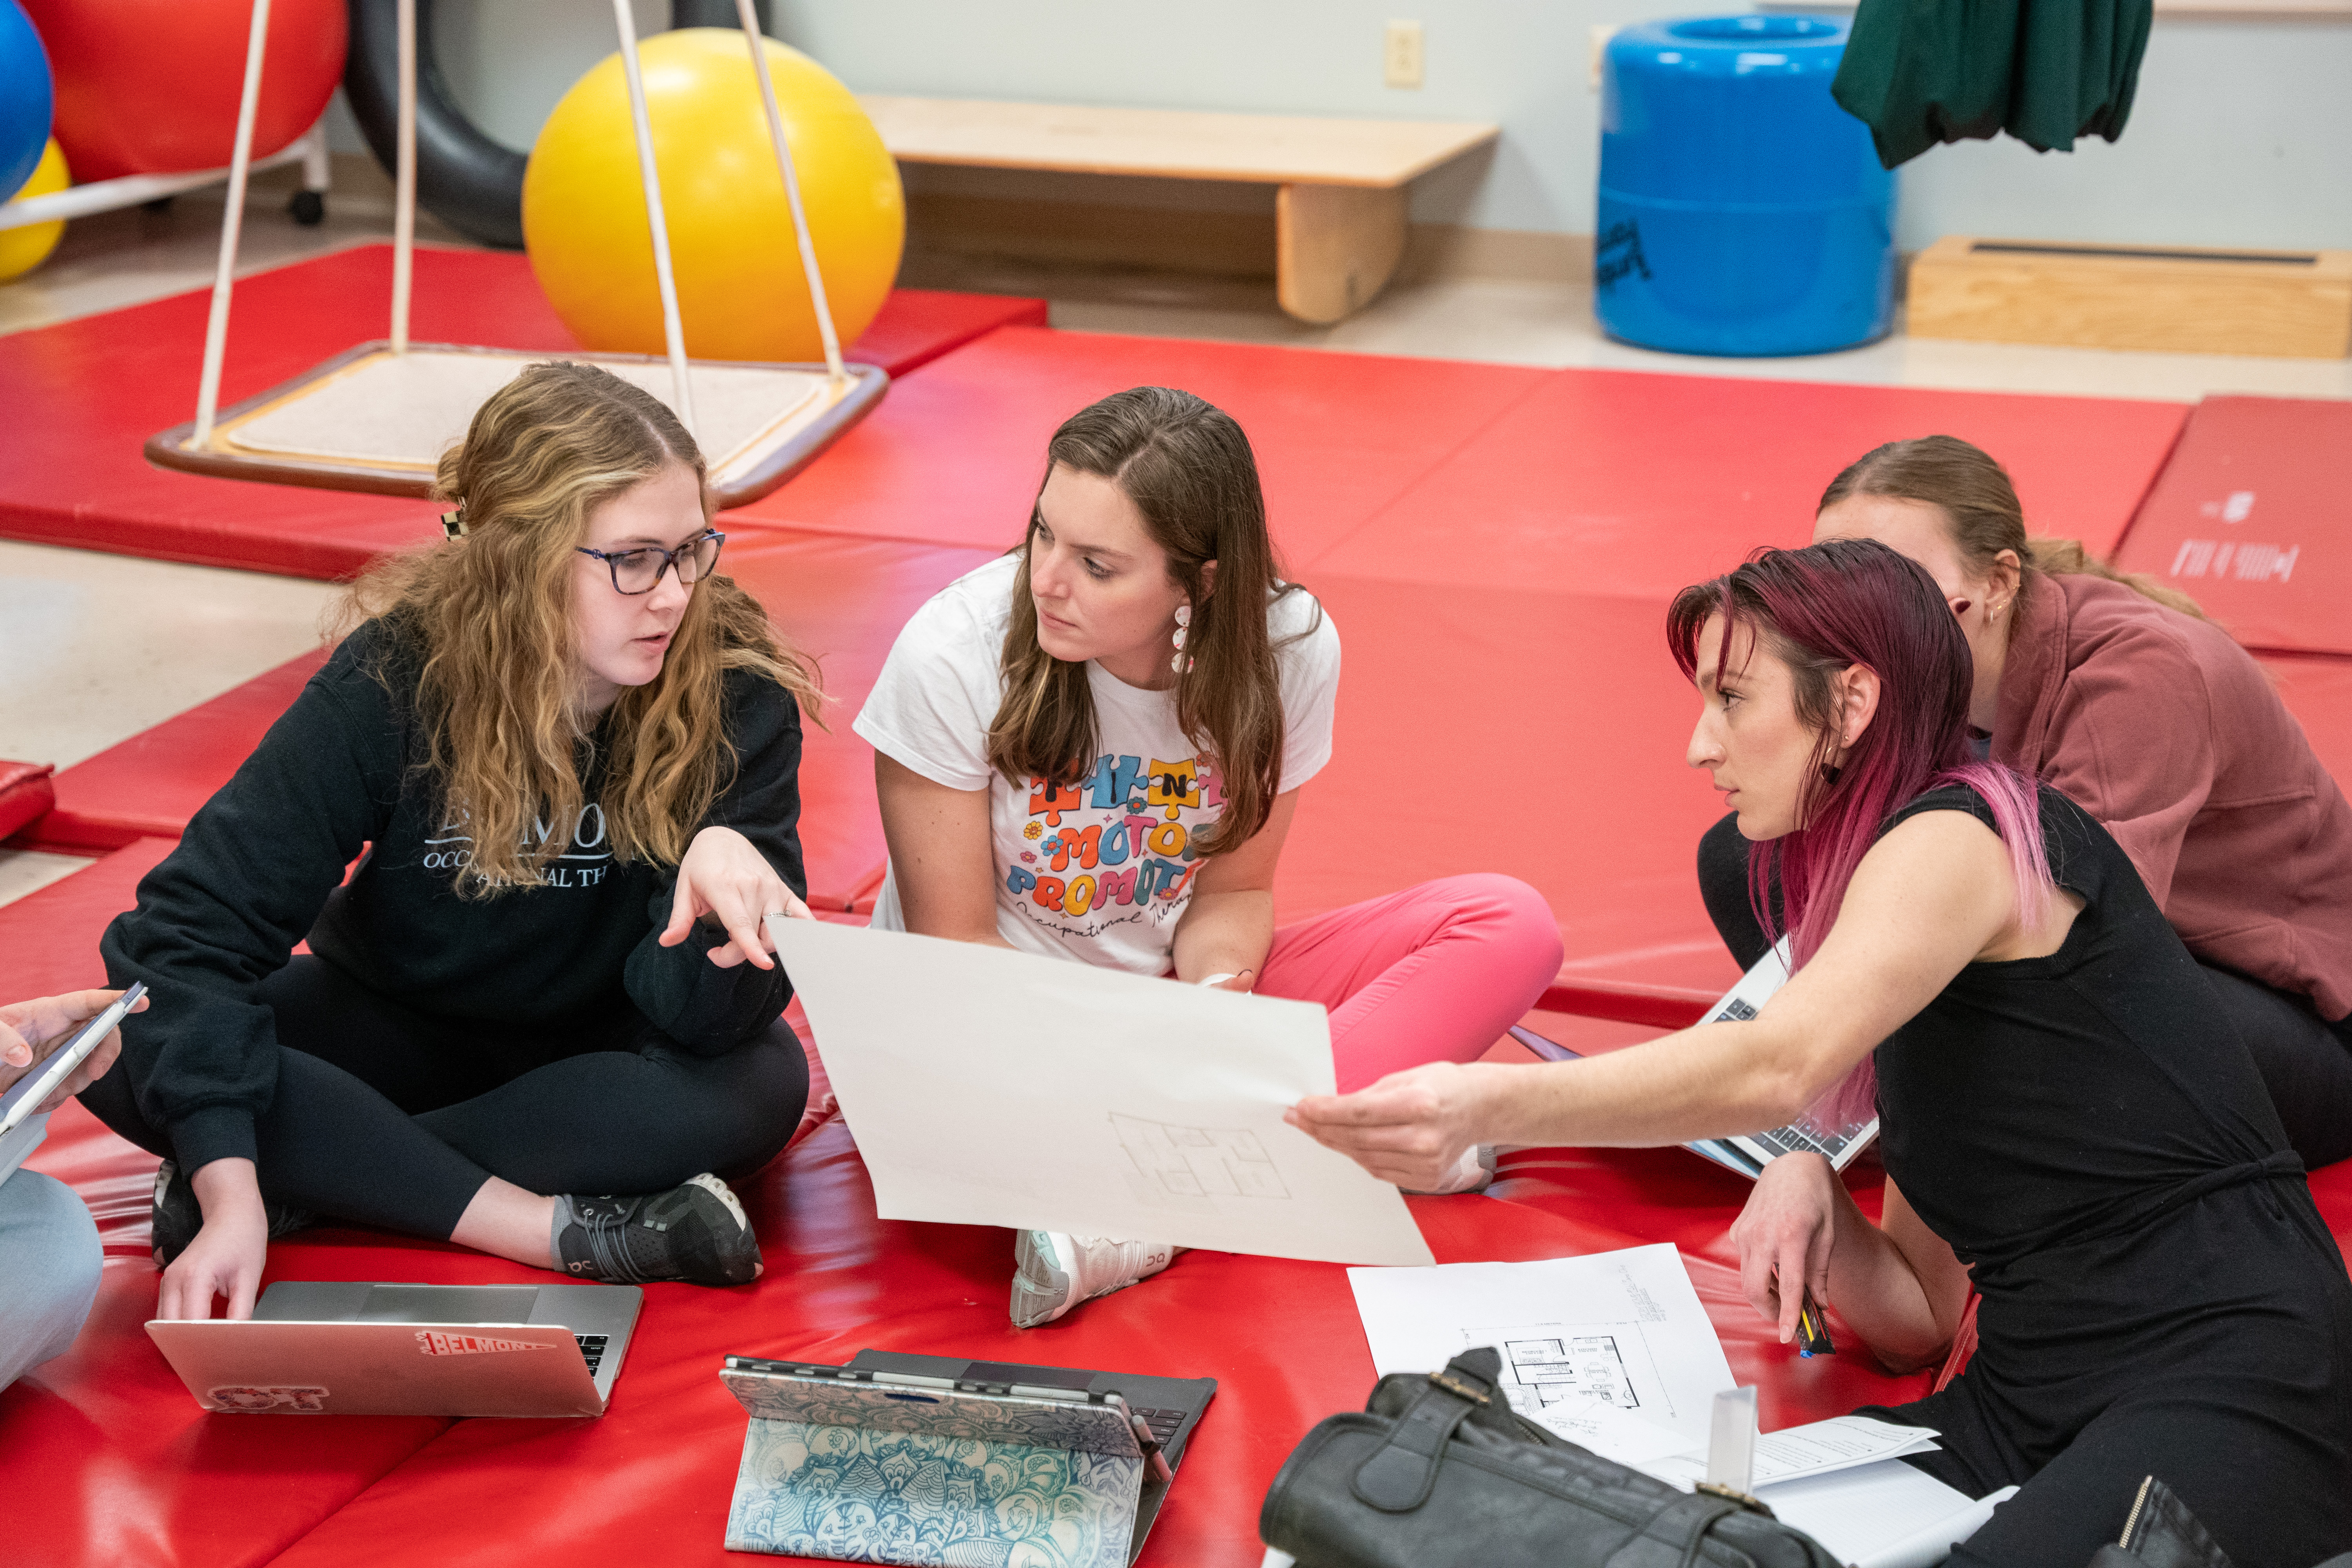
{"type": "Point", "coordinates": [2120, 693]}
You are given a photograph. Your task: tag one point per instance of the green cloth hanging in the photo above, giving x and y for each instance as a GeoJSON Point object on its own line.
{"type": "Point", "coordinates": [1918, 72]}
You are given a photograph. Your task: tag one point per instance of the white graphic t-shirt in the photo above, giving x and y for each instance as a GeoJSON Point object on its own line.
{"type": "Point", "coordinates": [1102, 869]}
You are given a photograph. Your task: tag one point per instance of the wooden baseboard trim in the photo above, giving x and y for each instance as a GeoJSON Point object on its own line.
{"type": "Point", "coordinates": [1213, 244]}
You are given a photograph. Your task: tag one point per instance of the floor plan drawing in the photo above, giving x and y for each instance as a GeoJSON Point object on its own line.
{"type": "Point", "coordinates": [1176, 1163]}
{"type": "Point", "coordinates": [1551, 1365]}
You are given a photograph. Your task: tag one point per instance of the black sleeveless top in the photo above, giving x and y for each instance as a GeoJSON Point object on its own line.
{"type": "Point", "coordinates": [2051, 1118]}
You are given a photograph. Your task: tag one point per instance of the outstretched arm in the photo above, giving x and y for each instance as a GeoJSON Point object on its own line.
{"type": "Point", "coordinates": [1932, 896]}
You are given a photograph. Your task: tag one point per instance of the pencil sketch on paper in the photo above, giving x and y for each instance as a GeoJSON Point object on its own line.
{"type": "Point", "coordinates": [1188, 1167]}
{"type": "Point", "coordinates": [1549, 1364]}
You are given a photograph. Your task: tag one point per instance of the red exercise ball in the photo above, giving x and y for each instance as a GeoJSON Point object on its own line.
{"type": "Point", "coordinates": [151, 87]}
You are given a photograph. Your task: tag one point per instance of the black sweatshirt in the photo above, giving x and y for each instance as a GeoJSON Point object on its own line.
{"type": "Point", "coordinates": [259, 866]}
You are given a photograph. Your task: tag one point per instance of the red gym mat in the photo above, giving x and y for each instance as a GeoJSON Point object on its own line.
{"type": "Point", "coordinates": [153, 783]}
{"type": "Point", "coordinates": [86, 394]}
{"type": "Point", "coordinates": [49, 938]}
{"type": "Point", "coordinates": [839, 1280]}
{"type": "Point", "coordinates": [27, 794]}
{"type": "Point", "coordinates": [2317, 690]}
{"type": "Point", "coordinates": [1620, 482]}
{"type": "Point", "coordinates": [954, 455]}
{"type": "Point", "coordinates": [2252, 517]}
{"type": "Point", "coordinates": [1524, 730]}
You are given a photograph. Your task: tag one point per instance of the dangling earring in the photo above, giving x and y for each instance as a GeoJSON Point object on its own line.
{"type": "Point", "coordinates": [1180, 664]}
{"type": "Point", "coordinates": [1832, 773]}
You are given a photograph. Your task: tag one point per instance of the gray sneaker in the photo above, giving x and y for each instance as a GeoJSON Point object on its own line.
{"type": "Point", "coordinates": [696, 1231]}
{"type": "Point", "coordinates": [1053, 1271]}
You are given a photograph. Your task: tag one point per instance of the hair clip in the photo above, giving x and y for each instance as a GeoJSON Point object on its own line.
{"type": "Point", "coordinates": [453, 523]}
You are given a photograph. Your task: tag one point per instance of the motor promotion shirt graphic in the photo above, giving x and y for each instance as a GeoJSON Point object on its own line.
{"type": "Point", "coordinates": [1116, 847]}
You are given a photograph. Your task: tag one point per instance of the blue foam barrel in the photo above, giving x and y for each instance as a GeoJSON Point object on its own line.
{"type": "Point", "coordinates": [1741, 210]}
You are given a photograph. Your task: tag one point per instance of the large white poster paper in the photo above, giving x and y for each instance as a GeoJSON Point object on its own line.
{"type": "Point", "coordinates": [988, 1086]}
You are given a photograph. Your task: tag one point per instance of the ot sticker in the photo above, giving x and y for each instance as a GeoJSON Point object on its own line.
{"type": "Point", "coordinates": [432, 1341]}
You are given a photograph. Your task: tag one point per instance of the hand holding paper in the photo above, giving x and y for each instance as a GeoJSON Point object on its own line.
{"type": "Point", "coordinates": [988, 1087]}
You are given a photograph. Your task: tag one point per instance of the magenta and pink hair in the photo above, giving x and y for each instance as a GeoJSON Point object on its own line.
{"type": "Point", "coordinates": [1820, 610]}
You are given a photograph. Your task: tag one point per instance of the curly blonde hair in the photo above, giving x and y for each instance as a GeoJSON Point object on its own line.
{"type": "Point", "coordinates": [491, 614]}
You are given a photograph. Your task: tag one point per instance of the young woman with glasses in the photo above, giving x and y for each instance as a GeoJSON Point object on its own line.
{"type": "Point", "coordinates": [540, 1010]}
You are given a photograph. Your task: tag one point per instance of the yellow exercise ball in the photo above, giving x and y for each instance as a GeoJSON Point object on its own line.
{"type": "Point", "coordinates": [22, 249]}
{"type": "Point", "coordinates": [741, 290]}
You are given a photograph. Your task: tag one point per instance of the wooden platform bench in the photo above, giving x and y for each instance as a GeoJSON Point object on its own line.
{"type": "Point", "coordinates": [1339, 210]}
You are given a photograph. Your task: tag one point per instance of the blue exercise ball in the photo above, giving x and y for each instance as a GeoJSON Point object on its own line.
{"type": "Point", "coordinates": [26, 98]}
{"type": "Point", "coordinates": [1741, 211]}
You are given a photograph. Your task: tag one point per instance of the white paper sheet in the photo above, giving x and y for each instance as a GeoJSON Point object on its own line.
{"type": "Point", "coordinates": [1882, 1515]}
{"type": "Point", "coordinates": [1815, 1449]}
{"type": "Point", "coordinates": [1606, 1350]}
{"type": "Point", "coordinates": [987, 1087]}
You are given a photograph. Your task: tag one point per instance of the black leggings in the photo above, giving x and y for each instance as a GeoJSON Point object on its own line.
{"type": "Point", "coordinates": [2305, 1061]}
{"type": "Point", "coordinates": [384, 1116]}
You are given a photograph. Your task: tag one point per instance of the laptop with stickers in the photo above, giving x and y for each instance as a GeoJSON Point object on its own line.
{"type": "Point", "coordinates": [358, 1348]}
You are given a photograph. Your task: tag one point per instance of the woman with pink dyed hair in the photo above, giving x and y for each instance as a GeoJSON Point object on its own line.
{"type": "Point", "coordinates": [2066, 1113]}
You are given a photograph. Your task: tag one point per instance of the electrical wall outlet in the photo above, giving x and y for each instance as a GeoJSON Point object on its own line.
{"type": "Point", "coordinates": [1401, 55]}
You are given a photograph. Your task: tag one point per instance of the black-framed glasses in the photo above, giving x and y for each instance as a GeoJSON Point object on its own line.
{"type": "Point", "coordinates": [640, 571]}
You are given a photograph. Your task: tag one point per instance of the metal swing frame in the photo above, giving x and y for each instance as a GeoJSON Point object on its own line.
{"type": "Point", "coordinates": [206, 444]}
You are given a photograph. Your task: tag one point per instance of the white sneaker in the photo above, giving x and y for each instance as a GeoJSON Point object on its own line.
{"type": "Point", "coordinates": [1053, 1271]}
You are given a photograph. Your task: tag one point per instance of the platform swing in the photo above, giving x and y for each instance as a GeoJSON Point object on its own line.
{"type": "Point", "coordinates": [377, 416]}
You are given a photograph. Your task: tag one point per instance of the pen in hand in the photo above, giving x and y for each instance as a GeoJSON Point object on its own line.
{"type": "Point", "coordinates": [1812, 1331]}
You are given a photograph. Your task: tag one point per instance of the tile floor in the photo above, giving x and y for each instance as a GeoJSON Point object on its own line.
{"type": "Point", "coordinates": [98, 647]}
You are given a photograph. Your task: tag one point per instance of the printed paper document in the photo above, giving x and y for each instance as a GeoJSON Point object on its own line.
{"type": "Point", "coordinates": [1816, 1449]}
{"type": "Point", "coordinates": [1611, 1350]}
{"type": "Point", "coordinates": [988, 1086]}
{"type": "Point", "coordinates": [1882, 1515]}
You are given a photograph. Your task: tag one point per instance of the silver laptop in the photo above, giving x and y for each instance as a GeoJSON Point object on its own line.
{"type": "Point", "coordinates": [366, 1348]}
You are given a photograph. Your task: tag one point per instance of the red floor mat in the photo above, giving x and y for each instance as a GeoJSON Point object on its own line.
{"type": "Point", "coordinates": [85, 395]}
{"type": "Point", "coordinates": [2252, 518]}
{"type": "Point", "coordinates": [2318, 691]}
{"type": "Point", "coordinates": [153, 783]}
{"type": "Point", "coordinates": [1617, 482]}
{"type": "Point", "coordinates": [954, 455]}
{"type": "Point", "coordinates": [49, 938]}
{"type": "Point", "coordinates": [1518, 729]}
{"type": "Point", "coordinates": [110, 1462]}
{"type": "Point", "coordinates": [839, 1280]}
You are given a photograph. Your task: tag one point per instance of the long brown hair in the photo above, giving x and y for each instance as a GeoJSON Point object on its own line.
{"type": "Point", "coordinates": [1189, 469]}
{"type": "Point", "coordinates": [490, 615]}
{"type": "Point", "coordinates": [1981, 510]}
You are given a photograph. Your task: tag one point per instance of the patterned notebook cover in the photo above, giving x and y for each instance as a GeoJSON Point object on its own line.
{"type": "Point", "coordinates": [945, 1487]}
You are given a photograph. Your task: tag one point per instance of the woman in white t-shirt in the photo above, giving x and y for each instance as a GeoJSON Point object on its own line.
{"type": "Point", "coordinates": [1092, 749]}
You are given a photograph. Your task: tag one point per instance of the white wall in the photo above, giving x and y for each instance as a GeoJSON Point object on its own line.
{"type": "Point", "coordinates": [2241, 134]}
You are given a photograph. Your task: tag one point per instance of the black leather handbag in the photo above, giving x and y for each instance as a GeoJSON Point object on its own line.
{"type": "Point", "coordinates": [1440, 1472]}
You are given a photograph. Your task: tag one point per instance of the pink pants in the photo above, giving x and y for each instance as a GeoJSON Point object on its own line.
{"type": "Point", "coordinates": [1433, 973]}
